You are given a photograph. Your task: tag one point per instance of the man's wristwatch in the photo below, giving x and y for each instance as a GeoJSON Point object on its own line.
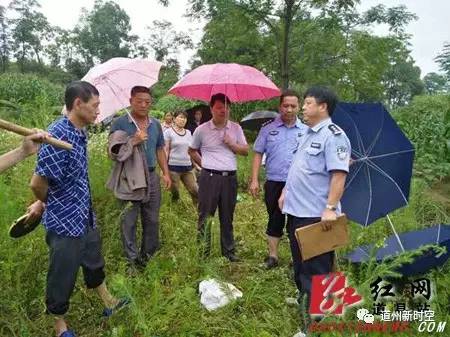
{"type": "Point", "coordinates": [331, 207]}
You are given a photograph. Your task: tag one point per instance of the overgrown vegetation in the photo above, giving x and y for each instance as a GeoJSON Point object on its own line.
{"type": "Point", "coordinates": [165, 299]}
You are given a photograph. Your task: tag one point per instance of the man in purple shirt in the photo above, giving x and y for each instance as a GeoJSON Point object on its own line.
{"type": "Point", "coordinates": [219, 141]}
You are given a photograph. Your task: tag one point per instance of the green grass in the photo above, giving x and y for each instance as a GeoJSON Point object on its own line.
{"type": "Point", "coordinates": [165, 298]}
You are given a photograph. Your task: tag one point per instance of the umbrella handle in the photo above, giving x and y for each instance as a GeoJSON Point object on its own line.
{"type": "Point", "coordinates": [20, 130]}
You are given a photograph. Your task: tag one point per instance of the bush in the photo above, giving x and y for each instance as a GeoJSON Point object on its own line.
{"type": "Point", "coordinates": [170, 103]}
{"type": "Point", "coordinates": [25, 88]}
{"type": "Point", "coordinates": [426, 123]}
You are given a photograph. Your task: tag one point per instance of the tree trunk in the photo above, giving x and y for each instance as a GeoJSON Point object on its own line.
{"type": "Point", "coordinates": [22, 59]}
{"type": "Point", "coordinates": [288, 14]}
{"type": "Point", "coordinates": [36, 52]}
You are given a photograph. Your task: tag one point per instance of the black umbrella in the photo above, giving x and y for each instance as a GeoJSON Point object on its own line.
{"type": "Point", "coordinates": [256, 119]}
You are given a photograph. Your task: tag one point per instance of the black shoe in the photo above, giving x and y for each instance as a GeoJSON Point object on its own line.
{"type": "Point", "coordinates": [175, 197]}
{"type": "Point", "coordinates": [141, 262]}
{"type": "Point", "coordinates": [271, 262]}
{"type": "Point", "coordinates": [232, 258]}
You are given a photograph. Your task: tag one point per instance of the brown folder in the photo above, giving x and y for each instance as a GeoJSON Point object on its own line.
{"type": "Point", "coordinates": [314, 241]}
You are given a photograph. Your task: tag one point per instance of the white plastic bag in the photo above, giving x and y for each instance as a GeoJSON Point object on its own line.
{"type": "Point", "coordinates": [215, 294]}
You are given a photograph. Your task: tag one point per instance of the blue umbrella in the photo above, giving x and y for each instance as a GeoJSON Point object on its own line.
{"type": "Point", "coordinates": [380, 176]}
{"type": "Point", "coordinates": [437, 234]}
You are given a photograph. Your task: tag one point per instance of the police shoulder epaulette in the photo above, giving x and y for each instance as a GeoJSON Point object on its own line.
{"type": "Point", "coordinates": [335, 129]}
{"type": "Point", "coordinates": [268, 122]}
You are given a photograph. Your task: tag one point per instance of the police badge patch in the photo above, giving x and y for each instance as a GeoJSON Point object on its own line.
{"type": "Point", "coordinates": [335, 129]}
{"type": "Point", "coordinates": [342, 152]}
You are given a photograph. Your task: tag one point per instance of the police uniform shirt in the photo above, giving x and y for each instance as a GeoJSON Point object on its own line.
{"type": "Point", "coordinates": [323, 148]}
{"type": "Point", "coordinates": [279, 143]}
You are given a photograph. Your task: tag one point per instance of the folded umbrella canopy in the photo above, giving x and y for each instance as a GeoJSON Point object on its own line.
{"type": "Point", "coordinates": [240, 83]}
{"type": "Point", "coordinates": [115, 78]}
{"type": "Point", "coordinates": [437, 235]}
{"type": "Point", "coordinates": [255, 120]}
{"type": "Point", "coordinates": [380, 175]}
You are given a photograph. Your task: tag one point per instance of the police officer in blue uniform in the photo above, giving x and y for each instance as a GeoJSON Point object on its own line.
{"type": "Point", "coordinates": [315, 181]}
{"type": "Point", "coordinates": [278, 139]}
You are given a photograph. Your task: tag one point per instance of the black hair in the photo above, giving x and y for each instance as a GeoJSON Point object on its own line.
{"type": "Point", "coordinates": [79, 89]}
{"type": "Point", "coordinates": [219, 97]}
{"type": "Point", "coordinates": [323, 94]}
{"type": "Point", "coordinates": [180, 112]}
{"type": "Point", "coordinates": [289, 93]}
{"type": "Point", "coordinates": [138, 89]}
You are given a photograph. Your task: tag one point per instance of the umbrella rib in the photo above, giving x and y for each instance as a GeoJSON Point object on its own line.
{"type": "Point", "coordinates": [370, 195]}
{"type": "Point", "coordinates": [358, 135]}
{"type": "Point", "coordinates": [354, 176]}
{"type": "Point", "coordinates": [376, 137]}
{"type": "Point", "coordinates": [439, 235]}
{"type": "Point", "coordinates": [126, 69]}
{"type": "Point", "coordinates": [395, 233]}
{"type": "Point", "coordinates": [380, 170]}
{"type": "Point", "coordinates": [387, 154]}
{"type": "Point", "coordinates": [109, 81]}
{"type": "Point", "coordinates": [359, 155]}
{"type": "Point", "coordinates": [364, 251]}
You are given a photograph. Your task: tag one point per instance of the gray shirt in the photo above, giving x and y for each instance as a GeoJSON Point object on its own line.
{"type": "Point", "coordinates": [216, 155]}
{"type": "Point", "coordinates": [178, 147]}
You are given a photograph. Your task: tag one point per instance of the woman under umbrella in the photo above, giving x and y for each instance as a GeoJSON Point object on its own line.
{"type": "Point", "coordinates": [177, 140]}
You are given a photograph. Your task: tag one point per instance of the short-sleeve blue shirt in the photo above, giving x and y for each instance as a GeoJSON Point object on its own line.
{"type": "Point", "coordinates": [68, 208]}
{"type": "Point", "coordinates": [324, 148]}
{"type": "Point", "coordinates": [155, 138]}
{"type": "Point", "coordinates": [279, 143]}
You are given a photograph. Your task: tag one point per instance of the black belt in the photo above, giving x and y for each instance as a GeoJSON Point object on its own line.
{"type": "Point", "coordinates": [151, 169]}
{"type": "Point", "coordinates": [221, 173]}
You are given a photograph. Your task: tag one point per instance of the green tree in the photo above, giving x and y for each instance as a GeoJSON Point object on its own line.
{"type": "Point", "coordinates": [29, 31]}
{"type": "Point", "coordinates": [4, 40]}
{"type": "Point", "coordinates": [443, 59]}
{"type": "Point", "coordinates": [167, 78]}
{"type": "Point", "coordinates": [436, 84]}
{"type": "Point", "coordinates": [272, 17]}
{"type": "Point", "coordinates": [103, 33]}
{"type": "Point", "coordinates": [165, 41]}
{"type": "Point", "coordinates": [239, 42]}
{"type": "Point", "coordinates": [402, 82]}
{"type": "Point", "coordinates": [329, 43]}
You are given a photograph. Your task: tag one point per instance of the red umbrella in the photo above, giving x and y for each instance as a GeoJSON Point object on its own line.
{"type": "Point", "coordinates": [239, 82]}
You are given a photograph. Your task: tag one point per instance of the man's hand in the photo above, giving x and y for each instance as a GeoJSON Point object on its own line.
{"type": "Point", "coordinates": [140, 137]}
{"type": "Point", "coordinates": [35, 211]}
{"type": "Point", "coordinates": [254, 188]}
{"type": "Point", "coordinates": [328, 215]}
{"type": "Point", "coordinates": [196, 166]}
{"type": "Point", "coordinates": [228, 141]}
{"type": "Point", "coordinates": [31, 143]}
{"type": "Point", "coordinates": [281, 201]}
{"type": "Point", "coordinates": [167, 181]}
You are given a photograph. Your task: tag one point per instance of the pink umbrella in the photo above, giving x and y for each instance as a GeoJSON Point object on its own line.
{"type": "Point", "coordinates": [115, 78]}
{"type": "Point", "coordinates": [239, 82]}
